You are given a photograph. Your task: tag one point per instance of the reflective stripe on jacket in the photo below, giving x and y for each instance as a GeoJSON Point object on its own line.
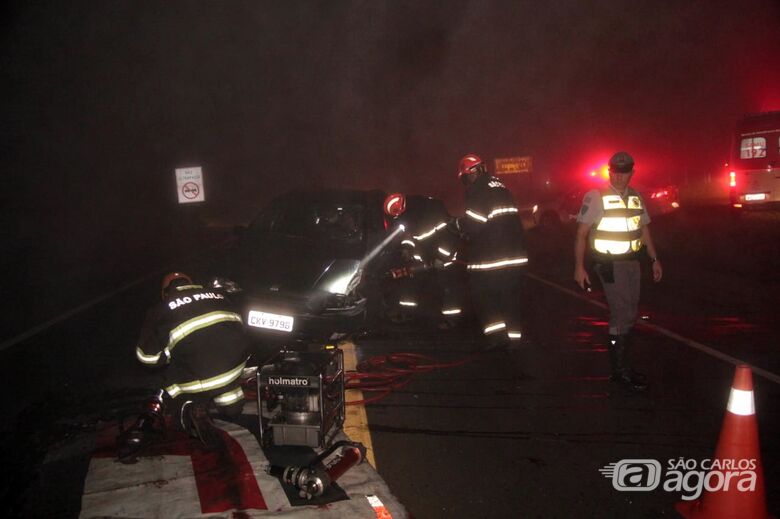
{"type": "Point", "coordinates": [492, 223]}
{"type": "Point", "coordinates": [183, 330]}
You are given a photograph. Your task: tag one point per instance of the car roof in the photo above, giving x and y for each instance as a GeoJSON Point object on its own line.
{"type": "Point", "coordinates": [334, 195]}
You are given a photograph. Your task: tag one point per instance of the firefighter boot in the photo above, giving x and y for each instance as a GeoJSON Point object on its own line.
{"type": "Point", "coordinates": [619, 349]}
{"type": "Point", "coordinates": [196, 422]}
{"type": "Point", "coordinates": [147, 428]}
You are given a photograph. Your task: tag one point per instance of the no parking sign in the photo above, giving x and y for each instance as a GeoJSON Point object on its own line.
{"type": "Point", "coordinates": [189, 185]}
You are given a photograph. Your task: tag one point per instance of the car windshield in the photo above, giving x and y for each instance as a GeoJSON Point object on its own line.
{"type": "Point", "coordinates": [331, 221]}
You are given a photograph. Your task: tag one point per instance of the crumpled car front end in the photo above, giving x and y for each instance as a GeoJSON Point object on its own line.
{"type": "Point", "coordinates": [332, 305]}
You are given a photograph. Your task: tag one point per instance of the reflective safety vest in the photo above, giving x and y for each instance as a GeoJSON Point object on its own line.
{"type": "Point", "coordinates": [618, 235]}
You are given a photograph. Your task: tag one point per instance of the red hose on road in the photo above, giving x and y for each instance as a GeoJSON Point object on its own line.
{"type": "Point", "coordinates": [386, 373]}
{"type": "Point", "coordinates": [381, 374]}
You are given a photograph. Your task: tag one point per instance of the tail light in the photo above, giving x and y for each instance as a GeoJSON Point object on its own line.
{"type": "Point", "coordinates": [733, 179]}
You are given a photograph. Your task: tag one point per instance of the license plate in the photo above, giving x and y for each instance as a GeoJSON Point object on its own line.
{"type": "Point", "coordinates": [755, 196]}
{"type": "Point", "coordinates": [270, 321]}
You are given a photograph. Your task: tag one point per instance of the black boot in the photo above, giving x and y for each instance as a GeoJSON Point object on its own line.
{"type": "Point", "coordinates": [619, 350]}
{"type": "Point", "coordinates": [148, 427]}
{"type": "Point", "coordinates": [196, 421]}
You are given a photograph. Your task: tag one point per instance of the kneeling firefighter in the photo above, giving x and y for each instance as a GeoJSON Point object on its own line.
{"type": "Point", "coordinates": [428, 243]}
{"type": "Point", "coordinates": [197, 336]}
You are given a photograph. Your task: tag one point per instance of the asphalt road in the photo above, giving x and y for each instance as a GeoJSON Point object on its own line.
{"type": "Point", "coordinates": [525, 434]}
{"type": "Point", "coordinates": [522, 434]}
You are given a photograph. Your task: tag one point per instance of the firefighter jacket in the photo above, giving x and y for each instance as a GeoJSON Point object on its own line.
{"type": "Point", "coordinates": [492, 226]}
{"type": "Point", "coordinates": [618, 234]}
{"type": "Point", "coordinates": [198, 333]}
{"type": "Point", "coordinates": [429, 238]}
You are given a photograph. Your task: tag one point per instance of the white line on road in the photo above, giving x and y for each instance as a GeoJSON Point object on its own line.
{"type": "Point", "coordinates": [70, 313]}
{"type": "Point", "coordinates": [663, 331]}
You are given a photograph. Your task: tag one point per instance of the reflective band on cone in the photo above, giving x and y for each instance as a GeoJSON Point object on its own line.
{"type": "Point", "coordinates": [745, 495]}
{"type": "Point", "coordinates": [741, 402]}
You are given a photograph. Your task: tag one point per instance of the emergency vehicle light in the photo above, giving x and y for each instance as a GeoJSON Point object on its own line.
{"type": "Point", "coordinates": [733, 179]}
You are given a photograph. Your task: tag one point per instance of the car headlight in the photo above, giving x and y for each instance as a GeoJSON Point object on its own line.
{"type": "Point", "coordinates": [340, 277]}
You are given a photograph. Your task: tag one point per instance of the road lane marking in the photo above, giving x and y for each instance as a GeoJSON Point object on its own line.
{"type": "Point", "coordinates": [92, 302]}
{"type": "Point", "coordinates": [356, 420]}
{"type": "Point", "coordinates": [663, 331]}
{"type": "Point", "coordinates": [70, 313]}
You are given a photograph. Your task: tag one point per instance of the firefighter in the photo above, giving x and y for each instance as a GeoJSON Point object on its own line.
{"type": "Point", "coordinates": [197, 336]}
{"type": "Point", "coordinates": [428, 243]}
{"type": "Point", "coordinates": [496, 253]}
{"type": "Point", "coordinates": [615, 224]}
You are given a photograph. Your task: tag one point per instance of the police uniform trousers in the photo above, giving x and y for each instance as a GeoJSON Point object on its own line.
{"type": "Point", "coordinates": [621, 288]}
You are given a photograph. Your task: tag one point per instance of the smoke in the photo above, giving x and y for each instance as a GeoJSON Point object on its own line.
{"type": "Point", "coordinates": [104, 100]}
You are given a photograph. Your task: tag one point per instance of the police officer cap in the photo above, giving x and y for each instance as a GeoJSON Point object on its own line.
{"type": "Point", "coordinates": [621, 162]}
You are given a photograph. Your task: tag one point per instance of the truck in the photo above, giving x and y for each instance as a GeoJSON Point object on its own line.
{"type": "Point", "coordinates": [754, 175]}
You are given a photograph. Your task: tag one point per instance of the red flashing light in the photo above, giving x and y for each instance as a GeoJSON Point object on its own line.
{"type": "Point", "coordinates": [660, 194]}
{"type": "Point", "coordinates": [733, 179]}
{"type": "Point", "coordinates": [599, 173]}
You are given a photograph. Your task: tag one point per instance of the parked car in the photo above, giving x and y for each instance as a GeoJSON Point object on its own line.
{"type": "Point", "coordinates": [560, 208]}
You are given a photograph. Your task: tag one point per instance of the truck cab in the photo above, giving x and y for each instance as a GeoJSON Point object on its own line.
{"type": "Point", "coordinates": [754, 177]}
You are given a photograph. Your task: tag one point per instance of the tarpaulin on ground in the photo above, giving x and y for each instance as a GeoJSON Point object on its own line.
{"type": "Point", "coordinates": [180, 478]}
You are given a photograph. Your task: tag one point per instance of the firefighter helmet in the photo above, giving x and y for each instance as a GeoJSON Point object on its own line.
{"type": "Point", "coordinates": [174, 279]}
{"type": "Point", "coordinates": [395, 205]}
{"type": "Point", "coordinates": [470, 165]}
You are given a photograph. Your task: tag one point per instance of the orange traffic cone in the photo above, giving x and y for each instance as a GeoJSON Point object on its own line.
{"type": "Point", "coordinates": [735, 498]}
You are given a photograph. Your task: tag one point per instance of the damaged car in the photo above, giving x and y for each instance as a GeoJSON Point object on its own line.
{"type": "Point", "coordinates": [310, 264]}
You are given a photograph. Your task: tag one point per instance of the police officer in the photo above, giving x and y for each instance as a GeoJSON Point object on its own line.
{"type": "Point", "coordinates": [196, 334]}
{"type": "Point", "coordinates": [614, 222]}
{"type": "Point", "coordinates": [428, 243]}
{"type": "Point", "coordinates": [496, 252]}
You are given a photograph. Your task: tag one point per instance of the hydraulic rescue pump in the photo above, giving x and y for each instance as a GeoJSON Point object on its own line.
{"type": "Point", "coordinates": [300, 398]}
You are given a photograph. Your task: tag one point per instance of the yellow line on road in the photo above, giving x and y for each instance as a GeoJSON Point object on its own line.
{"type": "Point", "coordinates": [356, 421]}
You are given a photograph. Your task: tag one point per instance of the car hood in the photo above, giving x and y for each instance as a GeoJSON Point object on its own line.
{"type": "Point", "coordinates": [294, 270]}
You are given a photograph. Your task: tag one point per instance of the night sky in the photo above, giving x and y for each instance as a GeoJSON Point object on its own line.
{"type": "Point", "coordinates": [103, 99]}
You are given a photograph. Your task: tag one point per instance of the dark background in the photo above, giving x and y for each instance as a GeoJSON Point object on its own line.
{"type": "Point", "coordinates": [102, 100]}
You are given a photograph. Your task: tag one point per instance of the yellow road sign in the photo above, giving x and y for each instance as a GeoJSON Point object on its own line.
{"type": "Point", "coordinates": [513, 165]}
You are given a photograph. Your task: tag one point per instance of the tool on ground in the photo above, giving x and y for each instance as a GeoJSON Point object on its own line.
{"type": "Point", "coordinates": [315, 479]}
{"type": "Point", "coordinates": [300, 398]}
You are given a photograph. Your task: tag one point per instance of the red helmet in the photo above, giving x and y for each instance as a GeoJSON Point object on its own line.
{"type": "Point", "coordinates": [469, 165]}
{"type": "Point", "coordinates": [174, 279]}
{"type": "Point", "coordinates": [395, 205]}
